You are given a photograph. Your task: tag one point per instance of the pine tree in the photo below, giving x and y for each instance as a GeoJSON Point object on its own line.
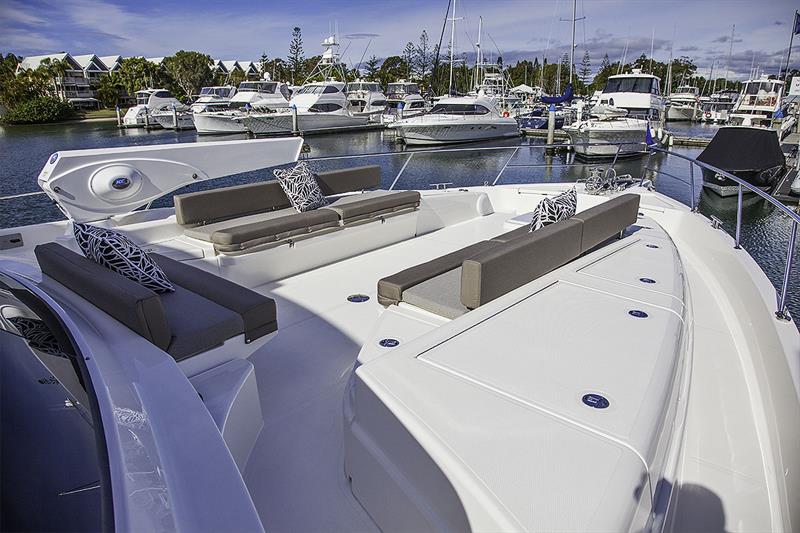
{"type": "Point", "coordinates": [408, 58]}
{"type": "Point", "coordinates": [586, 68]}
{"type": "Point", "coordinates": [263, 63]}
{"type": "Point", "coordinates": [296, 57]}
{"type": "Point", "coordinates": [372, 67]}
{"type": "Point", "coordinates": [423, 55]}
{"type": "Point", "coordinates": [605, 63]}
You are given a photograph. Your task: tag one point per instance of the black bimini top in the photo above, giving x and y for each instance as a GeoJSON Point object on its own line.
{"type": "Point", "coordinates": [743, 148]}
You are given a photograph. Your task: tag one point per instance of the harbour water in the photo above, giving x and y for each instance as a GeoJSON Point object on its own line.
{"type": "Point", "coordinates": [765, 231]}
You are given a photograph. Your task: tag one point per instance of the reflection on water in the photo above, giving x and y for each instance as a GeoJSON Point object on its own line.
{"type": "Point", "coordinates": [765, 232]}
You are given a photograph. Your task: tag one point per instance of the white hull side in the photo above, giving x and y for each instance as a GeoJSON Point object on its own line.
{"type": "Point", "coordinates": [166, 121]}
{"type": "Point", "coordinates": [281, 123]}
{"type": "Point", "coordinates": [454, 133]}
{"type": "Point", "coordinates": [581, 138]}
{"type": "Point", "coordinates": [208, 123]}
{"type": "Point", "coordinates": [680, 113]}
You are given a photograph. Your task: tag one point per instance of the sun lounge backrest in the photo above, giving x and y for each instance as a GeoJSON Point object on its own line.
{"type": "Point", "coordinates": [349, 179]}
{"type": "Point", "coordinates": [603, 221]}
{"type": "Point", "coordinates": [501, 269]}
{"type": "Point", "coordinates": [206, 207]}
{"type": "Point", "coordinates": [137, 307]}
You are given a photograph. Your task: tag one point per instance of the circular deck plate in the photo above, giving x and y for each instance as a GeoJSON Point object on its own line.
{"type": "Point", "coordinates": [389, 343]}
{"type": "Point", "coordinates": [357, 298]}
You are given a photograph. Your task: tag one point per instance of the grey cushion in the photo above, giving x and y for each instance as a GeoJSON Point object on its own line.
{"type": "Point", "coordinates": [136, 306]}
{"type": "Point", "coordinates": [391, 288]}
{"type": "Point", "coordinates": [273, 229]}
{"type": "Point", "coordinates": [439, 295]}
{"type": "Point", "coordinates": [197, 324]}
{"type": "Point", "coordinates": [513, 234]}
{"type": "Point", "coordinates": [349, 179]}
{"type": "Point", "coordinates": [205, 207]}
{"type": "Point", "coordinates": [205, 231]}
{"type": "Point", "coordinates": [607, 219]}
{"type": "Point", "coordinates": [495, 272]}
{"type": "Point", "coordinates": [258, 312]}
{"type": "Point", "coordinates": [373, 203]}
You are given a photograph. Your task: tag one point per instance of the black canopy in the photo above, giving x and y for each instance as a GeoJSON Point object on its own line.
{"type": "Point", "coordinates": [743, 148]}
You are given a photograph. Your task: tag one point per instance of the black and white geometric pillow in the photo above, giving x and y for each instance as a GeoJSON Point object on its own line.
{"type": "Point", "coordinates": [552, 210]}
{"type": "Point", "coordinates": [569, 200]}
{"type": "Point", "coordinates": [116, 252]}
{"type": "Point", "coordinates": [37, 334]}
{"type": "Point", "coordinates": [301, 187]}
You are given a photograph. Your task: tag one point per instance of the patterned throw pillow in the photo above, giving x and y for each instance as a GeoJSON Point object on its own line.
{"type": "Point", "coordinates": [301, 187]}
{"type": "Point", "coordinates": [116, 252]}
{"type": "Point", "coordinates": [552, 210]}
{"type": "Point", "coordinates": [37, 334]}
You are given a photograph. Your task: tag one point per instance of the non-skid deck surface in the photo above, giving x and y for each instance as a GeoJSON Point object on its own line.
{"type": "Point", "coordinates": [295, 473]}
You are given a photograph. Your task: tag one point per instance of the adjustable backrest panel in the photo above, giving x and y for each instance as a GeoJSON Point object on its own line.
{"type": "Point", "coordinates": [206, 207]}
{"type": "Point", "coordinates": [603, 221]}
{"type": "Point", "coordinates": [349, 179]}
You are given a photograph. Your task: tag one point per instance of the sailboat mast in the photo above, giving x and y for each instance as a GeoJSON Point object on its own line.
{"type": "Point", "coordinates": [452, 44]}
{"type": "Point", "coordinates": [652, 44]}
{"type": "Point", "coordinates": [572, 47]}
{"type": "Point", "coordinates": [479, 57]}
{"type": "Point", "coordinates": [730, 53]}
{"type": "Point", "coordinates": [789, 53]}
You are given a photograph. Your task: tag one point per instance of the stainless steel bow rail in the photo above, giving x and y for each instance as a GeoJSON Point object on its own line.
{"type": "Point", "coordinates": [781, 312]}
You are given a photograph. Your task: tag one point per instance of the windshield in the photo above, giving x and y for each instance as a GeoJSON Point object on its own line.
{"type": "Point", "coordinates": [257, 86]}
{"type": "Point", "coordinates": [215, 91]}
{"type": "Point", "coordinates": [628, 85]}
{"type": "Point", "coordinates": [403, 88]}
{"type": "Point", "coordinates": [364, 87]}
{"type": "Point", "coordinates": [458, 109]}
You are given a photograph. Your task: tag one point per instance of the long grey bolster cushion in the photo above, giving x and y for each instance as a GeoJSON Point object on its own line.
{"type": "Point", "coordinates": [358, 206]}
{"type": "Point", "coordinates": [206, 207]}
{"type": "Point", "coordinates": [390, 288]}
{"type": "Point", "coordinates": [495, 272]}
{"type": "Point", "coordinates": [257, 311]}
{"type": "Point", "coordinates": [276, 228]}
{"type": "Point", "coordinates": [136, 306]}
{"type": "Point", "coordinates": [349, 179]}
{"type": "Point", "coordinates": [607, 219]}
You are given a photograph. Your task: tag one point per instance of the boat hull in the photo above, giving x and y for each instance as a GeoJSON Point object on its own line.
{"type": "Point", "coordinates": [214, 123]}
{"type": "Point", "coordinates": [763, 179]}
{"type": "Point", "coordinates": [417, 134]}
{"type": "Point", "coordinates": [605, 143]}
{"type": "Point", "coordinates": [167, 121]}
{"type": "Point", "coordinates": [281, 123]}
{"type": "Point", "coordinates": [677, 113]}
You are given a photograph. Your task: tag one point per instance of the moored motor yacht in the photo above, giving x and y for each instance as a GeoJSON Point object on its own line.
{"type": "Point", "coordinates": [148, 101]}
{"type": "Point", "coordinates": [315, 107]}
{"type": "Point", "coordinates": [761, 104]}
{"type": "Point", "coordinates": [404, 100]}
{"type": "Point", "coordinates": [263, 95]}
{"type": "Point", "coordinates": [366, 98]}
{"type": "Point", "coordinates": [718, 108]}
{"type": "Point", "coordinates": [748, 152]}
{"type": "Point", "coordinates": [456, 120]}
{"type": "Point", "coordinates": [606, 133]}
{"type": "Point", "coordinates": [210, 99]}
{"type": "Point", "coordinates": [683, 104]}
{"type": "Point", "coordinates": [408, 359]}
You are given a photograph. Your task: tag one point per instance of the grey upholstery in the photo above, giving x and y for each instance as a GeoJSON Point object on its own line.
{"type": "Point", "coordinates": [206, 207]}
{"type": "Point", "coordinates": [502, 269]}
{"type": "Point", "coordinates": [205, 231]}
{"type": "Point", "coordinates": [439, 295]}
{"type": "Point", "coordinates": [357, 207]}
{"type": "Point", "coordinates": [279, 227]}
{"type": "Point", "coordinates": [349, 179]}
{"type": "Point", "coordinates": [257, 312]}
{"type": "Point", "coordinates": [203, 312]}
{"type": "Point", "coordinates": [391, 288]}
{"type": "Point", "coordinates": [136, 306]}
{"type": "Point", "coordinates": [607, 219]}
{"type": "Point", "coordinates": [513, 234]}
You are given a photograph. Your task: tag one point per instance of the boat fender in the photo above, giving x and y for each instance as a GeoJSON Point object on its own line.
{"type": "Point", "coordinates": [505, 114]}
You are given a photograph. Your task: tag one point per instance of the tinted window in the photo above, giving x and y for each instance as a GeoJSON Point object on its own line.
{"type": "Point", "coordinates": [628, 85]}
{"type": "Point", "coordinates": [53, 476]}
{"type": "Point", "coordinates": [324, 108]}
{"type": "Point", "coordinates": [378, 103]}
{"type": "Point", "coordinates": [163, 94]}
{"type": "Point", "coordinates": [459, 109]}
{"type": "Point", "coordinates": [417, 105]}
{"type": "Point", "coordinates": [330, 89]}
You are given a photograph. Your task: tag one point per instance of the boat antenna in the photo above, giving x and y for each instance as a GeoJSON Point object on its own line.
{"type": "Point", "coordinates": [479, 56]}
{"type": "Point", "coordinates": [730, 53]}
{"type": "Point", "coordinates": [669, 67]}
{"type": "Point", "coordinates": [652, 43]}
{"type": "Point", "coordinates": [791, 42]}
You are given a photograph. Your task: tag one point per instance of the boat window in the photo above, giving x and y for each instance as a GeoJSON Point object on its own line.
{"type": "Point", "coordinates": [459, 109]}
{"type": "Point", "coordinates": [324, 108]}
{"type": "Point", "coordinates": [412, 88]}
{"type": "Point", "coordinates": [417, 105]}
{"type": "Point", "coordinates": [329, 89]}
{"type": "Point", "coordinates": [378, 103]}
{"type": "Point", "coordinates": [50, 433]}
{"type": "Point", "coordinates": [162, 94]}
{"type": "Point", "coordinates": [628, 85]}
{"type": "Point", "coordinates": [285, 91]}
{"type": "Point", "coordinates": [311, 89]}
{"type": "Point", "coordinates": [206, 90]}
{"type": "Point", "coordinates": [142, 100]}
{"type": "Point", "coordinates": [656, 89]}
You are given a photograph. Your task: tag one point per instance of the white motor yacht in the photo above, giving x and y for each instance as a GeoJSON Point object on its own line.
{"type": "Point", "coordinates": [366, 98]}
{"type": "Point", "coordinates": [318, 106]}
{"type": "Point", "coordinates": [684, 104]}
{"type": "Point", "coordinates": [457, 120]}
{"type": "Point", "coordinates": [760, 104]}
{"type": "Point", "coordinates": [606, 132]}
{"type": "Point", "coordinates": [719, 106]}
{"type": "Point", "coordinates": [404, 100]}
{"type": "Point", "coordinates": [262, 95]}
{"type": "Point", "coordinates": [148, 101]}
{"type": "Point", "coordinates": [210, 99]}
{"type": "Point", "coordinates": [396, 360]}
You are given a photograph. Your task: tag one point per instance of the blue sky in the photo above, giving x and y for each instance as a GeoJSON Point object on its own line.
{"type": "Point", "coordinates": [234, 29]}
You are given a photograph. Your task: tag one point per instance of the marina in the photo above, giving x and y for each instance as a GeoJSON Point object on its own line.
{"type": "Point", "coordinates": [526, 272]}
